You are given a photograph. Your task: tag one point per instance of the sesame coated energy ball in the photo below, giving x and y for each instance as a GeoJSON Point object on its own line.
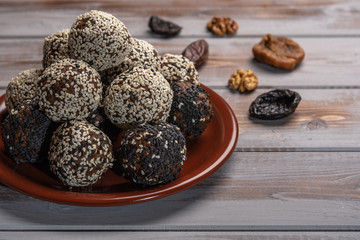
{"type": "Point", "coordinates": [69, 89]}
{"type": "Point", "coordinates": [152, 154]}
{"type": "Point", "coordinates": [79, 153]}
{"type": "Point", "coordinates": [55, 47]}
{"type": "Point", "coordinates": [178, 68]}
{"type": "Point", "coordinates": [99, 39]}
{"type": "Point", "coordinates": [138, 96]}
{"type": "Point", "coordinates": [25, 131]}
{"type": "Point", "coordinates": [22, 88]}
{"type": "Point", "coordinates": [142, 54]}
{"type": "Point", "coordinates": [191, 109]}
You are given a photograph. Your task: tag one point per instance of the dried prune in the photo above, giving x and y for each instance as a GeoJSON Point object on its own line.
{"type": "Point", "coordinates": [197, 52]}
{"type": "Point", "coordinates": [275, 104]}
{"type": "Point", "coordinates": [162, 27]}
{"type": "Point", "coordinates": [278, 51]}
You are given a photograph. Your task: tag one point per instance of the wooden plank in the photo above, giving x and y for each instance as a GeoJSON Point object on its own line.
{"type": "Point", "coordinates": [252, 191]}
{"type": "Point", "coordinates": [325, 120]}
{"type": "Point", "coordinates": [329, 62]}
{"type": "Point", "coordinates": [41, 18]}
{"type": "Point", "coordinates": [181, 235]}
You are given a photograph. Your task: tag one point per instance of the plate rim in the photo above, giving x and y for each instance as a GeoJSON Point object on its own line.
{"type": "Point", "coordinates": [22, 184]}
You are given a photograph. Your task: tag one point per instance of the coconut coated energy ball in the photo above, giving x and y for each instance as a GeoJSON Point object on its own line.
{"type": "Point", "coordinates": [99, 39]}
{"type": "Point", "coordinates": [142, 54]}
{"type": "Point", "coordinates": [191, 109]}
{"type": "Point", "coordinates": [152, 154]}
{"type": "Point", "coordinates": [69, 89]}
{"type": "Point", "coordinates": [178, 68]}
{"type": "Point", "coordinates": [138, 96]}
{"type": "Point", "coordinates": [25, 131]}
{"type": "Point", "coordinates": [56, 47]}
{"type": "Point", "coordinates": [80, 153]}
{"type": "Point", "coordinates": [22, 88]}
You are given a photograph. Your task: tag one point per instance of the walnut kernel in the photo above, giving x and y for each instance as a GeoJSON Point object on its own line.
{"type": "Point", "coordinates": [222, 25]}
{"type": "Point", "coordinates": [243, 81]}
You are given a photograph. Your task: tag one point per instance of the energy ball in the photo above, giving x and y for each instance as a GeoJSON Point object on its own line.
{"type": "Point", "coordinates": [152, 154]}
{"type": "Point", "coordinates": [142, 54]}
{"type": "Point", "coordinates": [55, 47]}
{"type": "Point", "coordinates": [138, 96]}
{"type": "Point", "coordinates": [191, 109]}
{"type": "Point", "coordinates": [178, 68]}
{"type": "Point", "coordinates": [99, 39]}
{"type": "Point", "coordinates": [22, 88]}
{"type": "Point", "coordinates": [25, 130]}
{"type": "Point", "coordinates": [79, 153]}
{"type": "Point", "coordinates": [69, 89]}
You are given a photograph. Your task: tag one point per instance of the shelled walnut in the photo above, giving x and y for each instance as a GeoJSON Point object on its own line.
{"type": "Point", "coordinates": [222, 25]}
{"type": "Point", "coordinates": [243, 81]}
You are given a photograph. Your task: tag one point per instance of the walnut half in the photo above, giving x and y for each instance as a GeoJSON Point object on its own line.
{"type": "Point", "coordinates": [243, 81]}
{"type": "Point", "coordinates": [222, 25]}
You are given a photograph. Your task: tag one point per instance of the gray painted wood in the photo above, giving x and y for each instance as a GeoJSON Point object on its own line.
{"type": "Point", "coordinates": [320, 69]}
{"type": "Point", "coordinates": [181, 235]}
{"type": "Point", "coordinates": [254, 17]}
{"type": "Point", "coordinates": [252, 191]}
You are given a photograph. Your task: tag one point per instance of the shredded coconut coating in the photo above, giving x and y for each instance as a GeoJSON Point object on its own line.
{"type": "Point", "coordinates": [138, 96]}
{"type": "Point", "coordinates": [178, 68]}
{"type": "Point", "coordinates": [152, 154]}
{"type": "Point", "coordinates": [22, 88]}
{"type": "Point", "coordinates": [99, 39]}
{"type": "Point", "coordinates": [55, 47]}
{"type": "Point", "coordinates": [80, 153]}
{"type": "Point", "coordinates": [142, 54]}
{"type": "Point", "coordinates": [69, 89]}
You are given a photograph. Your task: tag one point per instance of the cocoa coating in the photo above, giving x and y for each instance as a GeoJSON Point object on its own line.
{"type": "Point", "coordinates": [152, 154]}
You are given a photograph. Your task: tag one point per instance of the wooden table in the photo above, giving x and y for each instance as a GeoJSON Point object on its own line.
{"type": "Point", "coordinates": [297, 178]}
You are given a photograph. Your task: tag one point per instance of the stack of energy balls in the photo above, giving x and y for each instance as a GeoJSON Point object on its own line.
{"type": "Point", "coordinates": [97, 80]}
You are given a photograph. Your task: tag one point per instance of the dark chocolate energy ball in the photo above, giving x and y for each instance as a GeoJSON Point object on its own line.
{"type": "Point", "coordinates": [191, 109]}
{"type": "Point", "coordinates": [138, 96]}
{"type": "Point", "coordinates": [152, 154]}
{"type": "Point", "coordinates": [22, 88]}
{"type": "Point", "coordinates": [178, 68]}
{"type": "Point", "coordinates": [69, 89]}
{"type": "Point", "coordinates": [25, 130]}
{"type": "Point", "coordinates": [142, 54]}
{"type": "Point", "coordinates": [99, 39]}
{"type": "Point", "coordinates": [55, 47]}
{"type": "Point", "coordinates": [80, 153]}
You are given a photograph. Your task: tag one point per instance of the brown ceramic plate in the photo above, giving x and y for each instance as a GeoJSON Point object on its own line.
{"type": "Point", "coordinates": [205, 156]}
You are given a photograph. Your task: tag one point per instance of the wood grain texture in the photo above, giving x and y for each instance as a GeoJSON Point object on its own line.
{"type": "Point", "coordinates": [322, 118]}
{"type": "Point", "coordinates": [252, 191]}
{"type": "Point", "coordinates": [254, 17]}
{"type": "Point", "coordinates": [181, 235]}
{"type": "Point", "coordinates": [319, 68]}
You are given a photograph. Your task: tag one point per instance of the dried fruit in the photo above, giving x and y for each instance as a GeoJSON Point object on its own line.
{"type": "Point", "coordinates": [197, 52]}
{"type": "Point", "coordinates": [243, 81]}
{"type": "Point", "coordinates": [162, 27]}
{"type": "Point", "coordinates": [222, 25]}
{"type": "Point", "coordinates": [275, 104]}
{"type": "Point", "coordinates": [277, 51]}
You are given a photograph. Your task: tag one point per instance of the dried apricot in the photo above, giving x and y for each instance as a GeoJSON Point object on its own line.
{"type": "Point", "coordinates": [278, 51]}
